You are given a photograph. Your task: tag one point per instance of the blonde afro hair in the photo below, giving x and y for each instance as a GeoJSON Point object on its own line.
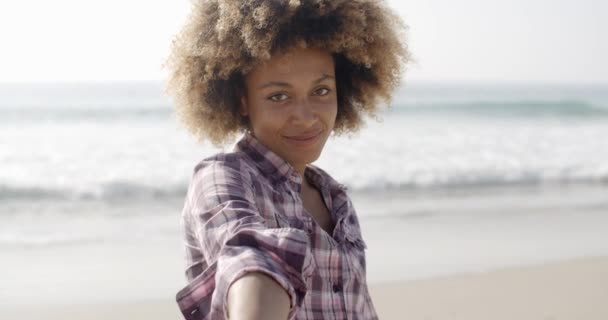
{"type": "Point", "coordinates": [223, 39]}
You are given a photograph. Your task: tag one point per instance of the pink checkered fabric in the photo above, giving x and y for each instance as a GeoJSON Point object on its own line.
{"type": "Point", "coordinates": [243, 213]}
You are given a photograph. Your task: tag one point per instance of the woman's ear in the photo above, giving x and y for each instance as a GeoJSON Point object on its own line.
{"type": "Point", "coordinates": [244, 109]}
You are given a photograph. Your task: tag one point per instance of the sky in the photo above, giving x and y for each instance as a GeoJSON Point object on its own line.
{"type": "Point", "coordinates": [516, 41]}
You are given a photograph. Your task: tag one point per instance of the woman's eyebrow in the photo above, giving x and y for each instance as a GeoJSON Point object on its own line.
{"type": "Point", "coordinates": [325, 76]}
{"type": "Point", "coordinates": [274, 83]}
{"type": "Point", "coordinates": [286, 84]}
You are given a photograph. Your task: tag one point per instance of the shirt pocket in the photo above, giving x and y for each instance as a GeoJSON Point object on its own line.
{"type": "Point", "coordinates": [355, 248]}
{"type": "Point", "coordinates": [353, 237]}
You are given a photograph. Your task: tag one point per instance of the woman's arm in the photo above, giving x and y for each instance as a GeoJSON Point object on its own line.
{"type": "Point", "coordinates": [236, 240]}
{"type": "Point", "coordinates": [256, 296]}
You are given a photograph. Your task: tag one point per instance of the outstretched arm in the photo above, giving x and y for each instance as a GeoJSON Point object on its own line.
{"type": "Point", "coordinates": [256, 296]}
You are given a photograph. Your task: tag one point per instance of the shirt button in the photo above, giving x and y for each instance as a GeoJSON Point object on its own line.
{"type": "Point", "coordinates": [194, 314]}
{"type": "Point", "coordinates": [337, 288]}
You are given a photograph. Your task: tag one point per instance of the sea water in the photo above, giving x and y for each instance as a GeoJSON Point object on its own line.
{"type": "Point", "coordinates": [449, 178]}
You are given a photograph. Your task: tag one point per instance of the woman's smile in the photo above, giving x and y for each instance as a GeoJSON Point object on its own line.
{"type": "Point", "coordinates": [304, 140]}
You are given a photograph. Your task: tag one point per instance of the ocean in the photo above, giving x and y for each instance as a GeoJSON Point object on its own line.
{"type": "Point", "coordinates": [457, 177]}
{"type": "Point", "coordinates": [107, 142]}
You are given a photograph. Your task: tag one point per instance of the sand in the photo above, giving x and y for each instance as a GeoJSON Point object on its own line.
{"type": "Point", "coordinates": [575, 289]}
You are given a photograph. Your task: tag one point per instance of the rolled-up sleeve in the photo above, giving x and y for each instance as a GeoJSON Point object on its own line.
{"type": "Point", "coordinates": [236, 239]}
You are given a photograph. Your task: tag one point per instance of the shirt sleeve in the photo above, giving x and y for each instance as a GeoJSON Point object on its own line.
{"type": "Point", "coordinates": [235, 240]}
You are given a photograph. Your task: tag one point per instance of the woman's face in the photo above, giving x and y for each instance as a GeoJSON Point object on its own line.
{"type": "Point", "coordinates": [292, 104]}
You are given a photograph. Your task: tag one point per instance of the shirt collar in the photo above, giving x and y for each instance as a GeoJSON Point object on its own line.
{"type": "Point", "coordinates": [268, 162]}
{"type": "Point", "coordinates": [278, 169]}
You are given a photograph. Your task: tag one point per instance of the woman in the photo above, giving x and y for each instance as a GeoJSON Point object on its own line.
{"type": "Point", "coordinates": [268, 235]}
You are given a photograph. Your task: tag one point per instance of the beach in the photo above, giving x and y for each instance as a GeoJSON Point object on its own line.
{"type": "Point", "coordinates": [573, 289]}
{"type": "Point", "coordinates": [448, 256]}
{"type": "Point", "coordinates": [485, 203]}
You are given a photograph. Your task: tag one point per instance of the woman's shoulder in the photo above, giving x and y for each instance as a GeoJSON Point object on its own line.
{"type": "Point", "coordinates": [223, 168]}
{"type": "Point", "coordinates": [222, 161]}
{"type": "Point", "coordinates": [324, 178]}
{"type": "Point", "coordinates": [218, 178]}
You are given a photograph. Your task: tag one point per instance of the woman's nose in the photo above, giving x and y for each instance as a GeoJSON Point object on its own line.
{"type": "Point", "coordinates": [303, 112]}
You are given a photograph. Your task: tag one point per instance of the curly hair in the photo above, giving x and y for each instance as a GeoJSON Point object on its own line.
{"type": "Point", "coordinates": [224, 39]}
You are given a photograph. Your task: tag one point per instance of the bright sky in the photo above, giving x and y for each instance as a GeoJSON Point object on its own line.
{"type": "Point", "coordinates": [469, 40]}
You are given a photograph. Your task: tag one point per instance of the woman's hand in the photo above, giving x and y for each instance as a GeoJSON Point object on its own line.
{"type": "Point", "coordinates": [256, 296]}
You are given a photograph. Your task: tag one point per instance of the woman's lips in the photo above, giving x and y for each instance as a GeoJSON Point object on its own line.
{"type": "Point", "coordinates": [304, 136]}
{"type": "Point", "coordinates": [304, 140]}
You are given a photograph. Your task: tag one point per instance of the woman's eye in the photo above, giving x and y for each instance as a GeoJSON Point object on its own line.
{"type": "Point", "coordinates": [278, 97]}
{"type": "Point", "coordinates": [322, 91]}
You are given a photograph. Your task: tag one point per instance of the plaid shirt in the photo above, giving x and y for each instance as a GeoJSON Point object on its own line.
{"type": "Point", "coordinates": [243, 213]}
